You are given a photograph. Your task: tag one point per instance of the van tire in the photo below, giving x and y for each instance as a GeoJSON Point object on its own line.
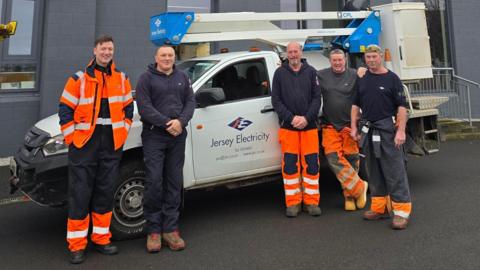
{"type": "Point", "coordinates": [127, 215]}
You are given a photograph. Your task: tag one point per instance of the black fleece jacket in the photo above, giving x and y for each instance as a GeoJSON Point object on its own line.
{"type": "Point", "coordinates": [296, 93]}
{"type": "Point", "coordinates": [161, 98]}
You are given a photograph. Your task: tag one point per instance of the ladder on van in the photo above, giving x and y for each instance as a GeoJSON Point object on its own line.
{"type": "Point", "coordinates": [176, 28]}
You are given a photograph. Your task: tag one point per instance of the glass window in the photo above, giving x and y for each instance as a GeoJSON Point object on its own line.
{"type": "Point", "coordinates": [18, 53]}
{"type": "Point", "coordinates": [242, 80]}
{"type": "Point", "coordinates": [17, 76]}
{"type": "Point", "coordinates": [195, 69]}
{"type": "Point", "coordinates": [21, 42]}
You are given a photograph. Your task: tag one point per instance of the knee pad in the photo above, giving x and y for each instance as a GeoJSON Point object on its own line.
{"type": "Point", "coordinates": [290, 163]}
{"type": "Point", "coordinates": [334, 162]}
{"type": "Point", "coordinates": [312, 163]}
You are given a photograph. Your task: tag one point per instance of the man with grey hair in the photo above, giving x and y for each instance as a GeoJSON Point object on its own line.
{"type": "Point", "coordinates": [342, 153]}
{"type": "Point", "coordinates": [296, 99]}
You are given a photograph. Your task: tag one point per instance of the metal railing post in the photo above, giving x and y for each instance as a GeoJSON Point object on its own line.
{"type": "Point", "coordinates": [469, 106]}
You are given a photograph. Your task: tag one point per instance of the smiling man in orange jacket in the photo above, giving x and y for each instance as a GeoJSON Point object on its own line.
{"type": "Point", "coordinates": [96, 111]}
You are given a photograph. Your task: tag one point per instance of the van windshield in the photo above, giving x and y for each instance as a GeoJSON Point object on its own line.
{"type": "Point", "coordinates": [195, 69]}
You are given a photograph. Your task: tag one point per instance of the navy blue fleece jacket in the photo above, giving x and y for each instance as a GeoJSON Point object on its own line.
{"type": "Point", "coordinates": [161, 98]}
{"type": "Point", "coordinates": [296, 93]}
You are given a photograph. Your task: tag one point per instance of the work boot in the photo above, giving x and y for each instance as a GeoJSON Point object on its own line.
{"type": "Point", "coordinates": [350, 204]}
{"type": "Point", "coordinates": [372, 215]}
{"type": "Point", "coordinates": [154, 242]}
{"type": "Point", "coordinates": [292, 211]}
{"type": "Point", "coordinates": [173, 240]}
{"type": "Point", "coordinates": [107, 249]}
{"type": "Point", "coordinates": [312, 210]}
{"type": "Point", "coordinates": [399, 223]}
{"type": "Point", "coordinates": [77, 257]}
{"type": "Point", "coordinates": [362, 200]}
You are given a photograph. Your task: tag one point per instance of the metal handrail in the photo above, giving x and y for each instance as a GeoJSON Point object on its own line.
{"type": "Point", "coordinates": [466, 80]}
{"type": "Point", "coordinates": [456, 76]}
{"type": "Point", "coordinates": [407, 92]}
{"type": "Point", "coordinates": [469, 103]}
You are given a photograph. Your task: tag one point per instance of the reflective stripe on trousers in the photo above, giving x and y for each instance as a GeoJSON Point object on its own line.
{"type": "Point", "coordinates": [300, 166]}
{"type": "Point", "coordinates": [387, 175]}
{"type": "Point", "coordinates": [93, 170]}
{"type": "Point", "coordinates": [342, 155]}
{"type": "Point", "coordinates": [77, 231]}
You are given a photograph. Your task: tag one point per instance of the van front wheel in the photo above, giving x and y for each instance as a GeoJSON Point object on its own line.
{"type": "Point", "coordinates": [127, 218]}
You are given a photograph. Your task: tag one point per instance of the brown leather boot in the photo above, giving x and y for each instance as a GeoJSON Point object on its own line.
{"type": "Point", "coordinates": [399, 223]}
{"type": "Point", "coordinates": [154, 242]}
{"type": "Point", "coordinates": [371, 215]}
{"type": "Point", "coordinates": [173, 240]}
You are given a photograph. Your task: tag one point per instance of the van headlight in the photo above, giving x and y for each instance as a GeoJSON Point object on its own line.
{"type": "Point", "coordinates": [55, 145]}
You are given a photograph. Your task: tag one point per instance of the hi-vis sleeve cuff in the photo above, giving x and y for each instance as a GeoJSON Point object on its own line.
{"type": "Point", "coordinates": [127, 99]}
{"type": "Point", "coordinates": [67, 130]}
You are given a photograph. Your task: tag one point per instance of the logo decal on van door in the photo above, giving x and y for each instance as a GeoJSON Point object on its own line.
{"type": "Point", "coordinates": [240, 123]}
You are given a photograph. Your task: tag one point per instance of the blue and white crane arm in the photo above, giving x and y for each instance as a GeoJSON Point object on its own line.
{"type": "Point", "coordinates": [188, 27]}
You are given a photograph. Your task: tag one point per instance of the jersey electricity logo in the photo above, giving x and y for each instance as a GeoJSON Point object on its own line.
{"type": "Point", "coordinates": [240, 123]}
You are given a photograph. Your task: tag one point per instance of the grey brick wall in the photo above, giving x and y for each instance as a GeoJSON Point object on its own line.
{"type": "Point", "coordinates": [130, 31]}
{"type": "Point", "coordinates": [70, 31]}
{"type": "Point", "coordinates": [466, 37]}
{"type": "Point", "coordinates": [18, 115]}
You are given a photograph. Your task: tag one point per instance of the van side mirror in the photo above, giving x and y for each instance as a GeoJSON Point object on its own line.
{"type": "Point", "coordinates": [209, 96]}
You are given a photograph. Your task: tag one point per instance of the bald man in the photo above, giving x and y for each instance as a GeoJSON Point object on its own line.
{"type": "Point", "coordinates": [296, 99]}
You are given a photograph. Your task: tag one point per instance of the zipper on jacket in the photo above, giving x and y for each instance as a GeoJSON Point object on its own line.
{"type": "Point", "coordinates": [94, 102]}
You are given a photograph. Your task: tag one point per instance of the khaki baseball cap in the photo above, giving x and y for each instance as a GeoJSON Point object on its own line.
{"type": "Point", "coordinates": [373, 48]}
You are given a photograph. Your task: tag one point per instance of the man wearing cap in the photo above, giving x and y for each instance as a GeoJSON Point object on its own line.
{"type": "Point", "coordinates": [381, 99]}
{"type": "Point", "coordinates": [338, 84]}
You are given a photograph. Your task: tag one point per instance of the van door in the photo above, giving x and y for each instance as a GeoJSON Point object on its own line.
{"type": "Point", "coordinates": [239, 136]}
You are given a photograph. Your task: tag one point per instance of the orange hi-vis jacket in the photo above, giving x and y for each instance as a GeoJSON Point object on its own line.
{"type": "Point", "coordinates": [83, 94]}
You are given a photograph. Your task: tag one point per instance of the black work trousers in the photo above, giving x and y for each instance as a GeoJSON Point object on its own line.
{"type": "Point", "coordinates": [386, 166]}
{"type": "Point", "coordinates": [93, 170]}
{"type": "Point", "coordinates": [164, 156]}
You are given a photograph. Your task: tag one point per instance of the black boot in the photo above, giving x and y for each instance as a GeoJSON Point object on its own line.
{"type": "Point", "coordinates": [77, 257]}
{"type": "Point", "coordinates": [107, 249]}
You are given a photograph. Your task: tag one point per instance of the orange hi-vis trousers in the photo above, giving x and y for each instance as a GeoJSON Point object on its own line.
{"type": "Point", "coordinates": [342, 155]}
{"type": "Point", "coordinates": [300, 166]}
{"type": "Point", "coordinates": [77, 231]}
